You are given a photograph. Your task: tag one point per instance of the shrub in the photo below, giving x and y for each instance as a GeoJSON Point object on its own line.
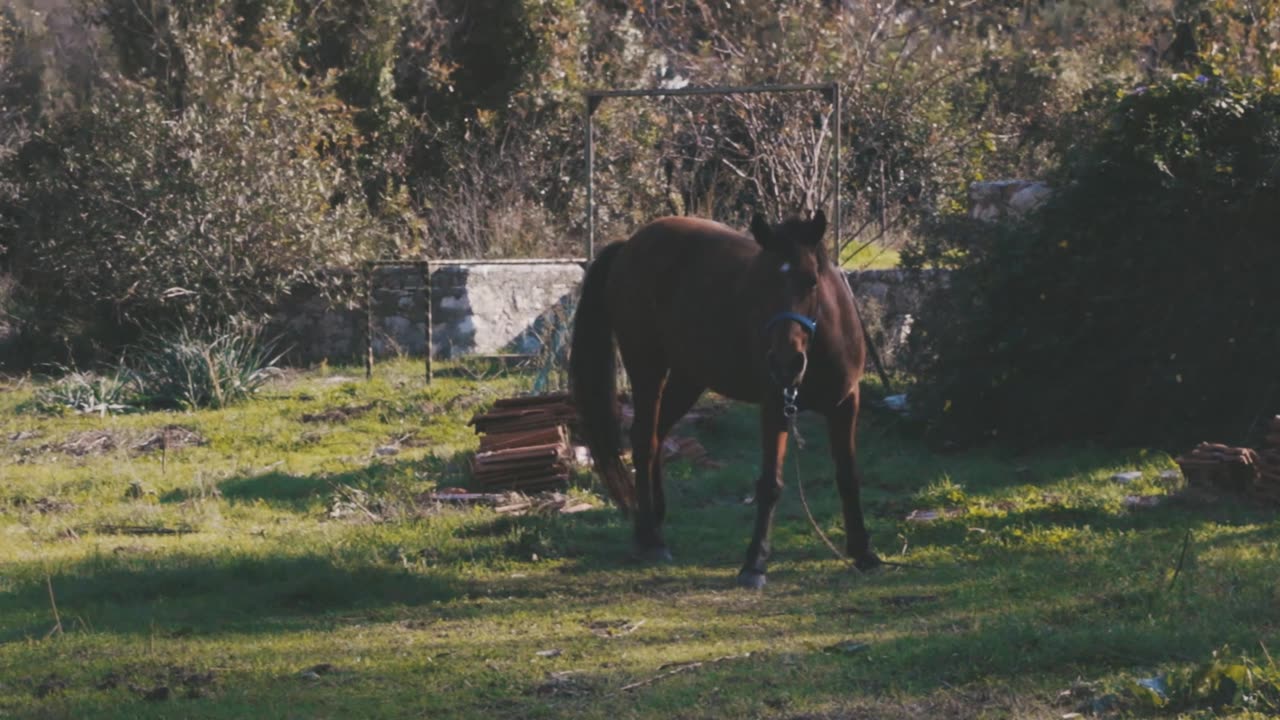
{"type": "Point", "coordinates": [214, 368]}
{"type": "Point", "coordinates": [1141, 303]}
{"type": "Point", "coordinates": [88, 392]}
{"type": "Point", "coordinates": [132, 211]}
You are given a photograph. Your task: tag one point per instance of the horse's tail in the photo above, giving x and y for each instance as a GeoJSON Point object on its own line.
{"type": "Point", "coordinates": [593, 379]}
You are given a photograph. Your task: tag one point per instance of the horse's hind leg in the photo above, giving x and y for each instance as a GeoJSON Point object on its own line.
{"type": "Point", "coordinates": [678, 396]}
{"type": "Point", "coordinates": [646, 394]}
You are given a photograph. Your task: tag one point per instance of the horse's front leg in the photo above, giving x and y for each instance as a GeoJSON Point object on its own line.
{"type": "Point", "coordinates": [773, 445]}
{"type": "Point", "coordinates": [842, 427]}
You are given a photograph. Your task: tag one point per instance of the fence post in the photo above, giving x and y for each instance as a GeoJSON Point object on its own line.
{"type": "Point", "coordinates": [426, 300]}
{"type": "Point", "coordinates": [368, 321]}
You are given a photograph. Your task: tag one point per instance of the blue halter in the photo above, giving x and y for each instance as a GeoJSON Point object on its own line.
{"type": "Point", "coordinates": [809, 324]}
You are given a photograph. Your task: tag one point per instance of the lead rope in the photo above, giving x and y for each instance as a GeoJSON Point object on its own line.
{"type": "Point", "coordinates": [789, 411]}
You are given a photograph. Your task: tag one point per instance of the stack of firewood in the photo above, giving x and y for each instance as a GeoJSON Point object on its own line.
{"type": "Point", "coordinates": [524, 443]}
{"type": "Point", "coordinates": [1267, 484]}
{"type": "Point", "coordinates": [1213, 466]}
{"type": "Point", "coordinates": [533, 412]}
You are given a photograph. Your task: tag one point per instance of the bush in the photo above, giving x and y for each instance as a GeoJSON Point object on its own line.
{"type": "Point", "coordinates": [216, 368]}
{"type": "Point", "coordinates": [1141, 303]}
{"type": "Point", "coordinates": [131, 211]}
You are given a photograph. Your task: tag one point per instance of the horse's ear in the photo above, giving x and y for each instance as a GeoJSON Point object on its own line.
{"type": "Point", "coordinates": [817, 227]}
{"type": "Point", "coordinates": [761, 230]}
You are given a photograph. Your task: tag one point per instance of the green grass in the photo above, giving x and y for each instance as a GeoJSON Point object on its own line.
{"type": "Point", "coordinates": [871, 257]}
{"type": "Point", "coordinates": [1045, 581]}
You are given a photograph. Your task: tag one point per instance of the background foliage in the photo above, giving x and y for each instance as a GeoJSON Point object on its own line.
{"type": "Point", "coordinates": [1139, 304]}
{"type": "Point", "coordinates": [168, 160]}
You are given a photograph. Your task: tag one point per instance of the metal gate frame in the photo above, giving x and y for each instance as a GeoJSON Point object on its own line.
{"type": "Point", "coordinates": [831, 90]}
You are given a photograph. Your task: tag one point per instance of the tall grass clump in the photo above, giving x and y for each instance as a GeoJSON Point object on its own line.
{"type": "Point", "coordinates": [89, 392]}
{"type": "Point", "coordinates": [207, 369]}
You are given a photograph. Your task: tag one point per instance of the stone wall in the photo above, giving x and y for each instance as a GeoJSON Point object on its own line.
{"type": "Point", "coordinates": [476, 308]}
{"type": "Point", "coordinates": [489, 308]}
{"type": "Point", "coordinates": [889, 300]}
{"type": "Point", "coordinates": [505, 306]}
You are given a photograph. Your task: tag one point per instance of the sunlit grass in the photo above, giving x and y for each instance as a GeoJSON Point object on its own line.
{"type": "Point", "coordinates": [1036, 578]}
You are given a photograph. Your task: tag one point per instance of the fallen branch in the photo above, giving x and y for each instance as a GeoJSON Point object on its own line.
{"type": "Point", "coordinates": [137, 530]}
{"type": "Point", "coordinates": [677, 668]}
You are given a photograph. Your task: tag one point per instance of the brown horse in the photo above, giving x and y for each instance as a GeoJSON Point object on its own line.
{"type": "Point", "coordinates": [693, 305]}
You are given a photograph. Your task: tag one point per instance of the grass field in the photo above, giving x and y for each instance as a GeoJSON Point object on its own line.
{"type": "Point", "coordinates": [304, 577]}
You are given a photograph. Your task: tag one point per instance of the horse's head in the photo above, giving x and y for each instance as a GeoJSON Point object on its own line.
{"type": "Point", "coordinates": [791, 270]}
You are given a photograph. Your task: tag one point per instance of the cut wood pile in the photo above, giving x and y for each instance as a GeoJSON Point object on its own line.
{"type": "Point", "coordinates": [533, 412]}
{"type": "Point", "coordinates": [524, 443]}
{"type": "Point", "coordinates": [1213, 466]}
{"type": "Point", "coordinates": [1267, 483]}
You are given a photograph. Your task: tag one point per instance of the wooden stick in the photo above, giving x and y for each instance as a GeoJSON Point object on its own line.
{"type": "Point", "coordinates": [678, 668]}
{"type": "Point", "coordinates": [57, 619]}
{"type": "Point", "coordinates": [1181, 557]}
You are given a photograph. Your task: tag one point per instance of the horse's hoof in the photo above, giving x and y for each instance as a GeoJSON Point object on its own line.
{"type": "Point", "coordinates": [656, 554]}
{"type": "Point", "coordinates": [751, 580]}
{"type": "Point", "coordinates": [868, 561]}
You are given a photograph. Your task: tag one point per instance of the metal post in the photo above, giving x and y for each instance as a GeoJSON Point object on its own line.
{"type": "Point", "coordinates": [835, 161]}
{"type": "Point", "coordinates": [426, 302]}
{"type": "Point", "coordinates": [368, 321]}
{"type": "Point", "coordinates": [591, 101]}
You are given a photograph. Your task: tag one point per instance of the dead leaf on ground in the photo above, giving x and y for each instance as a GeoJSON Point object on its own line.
{"type": "Point", "coordinates": [921, 516]}
{"type": "Point", "coordinates": [44, 505]}
{"type": "Point", "coordinates": [169, 437]}
{"type": "Point", "coordinates": [89, 442]}
{"type": "Point", "coordinates": [609, 629]}
{"type": "Point", "coordinates": [565, 682]}
{"type": "Point", "coordinates": [847, 647]}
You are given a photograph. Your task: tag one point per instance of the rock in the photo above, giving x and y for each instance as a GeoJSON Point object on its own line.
{"type": "Point", "coordinates": [1000, 199]}
{"type": "Point", "coordinates": [847, 647]}
{"type": "Point", "coordinates": [1125, 478]}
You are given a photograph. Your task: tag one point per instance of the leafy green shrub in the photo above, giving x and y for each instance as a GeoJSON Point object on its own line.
{"type": "Point", "coordinates": [132, 210]}
{"type": "Point", "coordinates": [1140, 304]}
{"type": "Point", "coordinates": [88, 392]}
{"type": "Point", "coordinates": [193, 369]}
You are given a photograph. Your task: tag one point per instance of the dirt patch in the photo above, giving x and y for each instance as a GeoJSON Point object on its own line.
{"type": "Point", "coordinates": [169, 437]}
{"type": "Point", "coordinates": [338, 414]}
{"type": "Point", "coordinates": [462, 403]}
{"type": "Point", "coordinates": [962, 703]}
{"type": "Point", "coordinates": [565, 683]}
{"type": "Point", "coordinates": [81, 444]}
{"type": "Point", "coordinates": [160, 685]}
{"type": "Point", "coordinates": [51, 685]}
{"type": "Point", "coordinates": [401, 441]}
{"type": "Point", "coordinates": [44, 505]}
{"type": "Point", "coordinates": [901, 601]}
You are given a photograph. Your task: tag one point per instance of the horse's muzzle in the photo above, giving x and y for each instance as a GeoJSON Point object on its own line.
{"type": "Point", "coordinates": [787, 369]}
